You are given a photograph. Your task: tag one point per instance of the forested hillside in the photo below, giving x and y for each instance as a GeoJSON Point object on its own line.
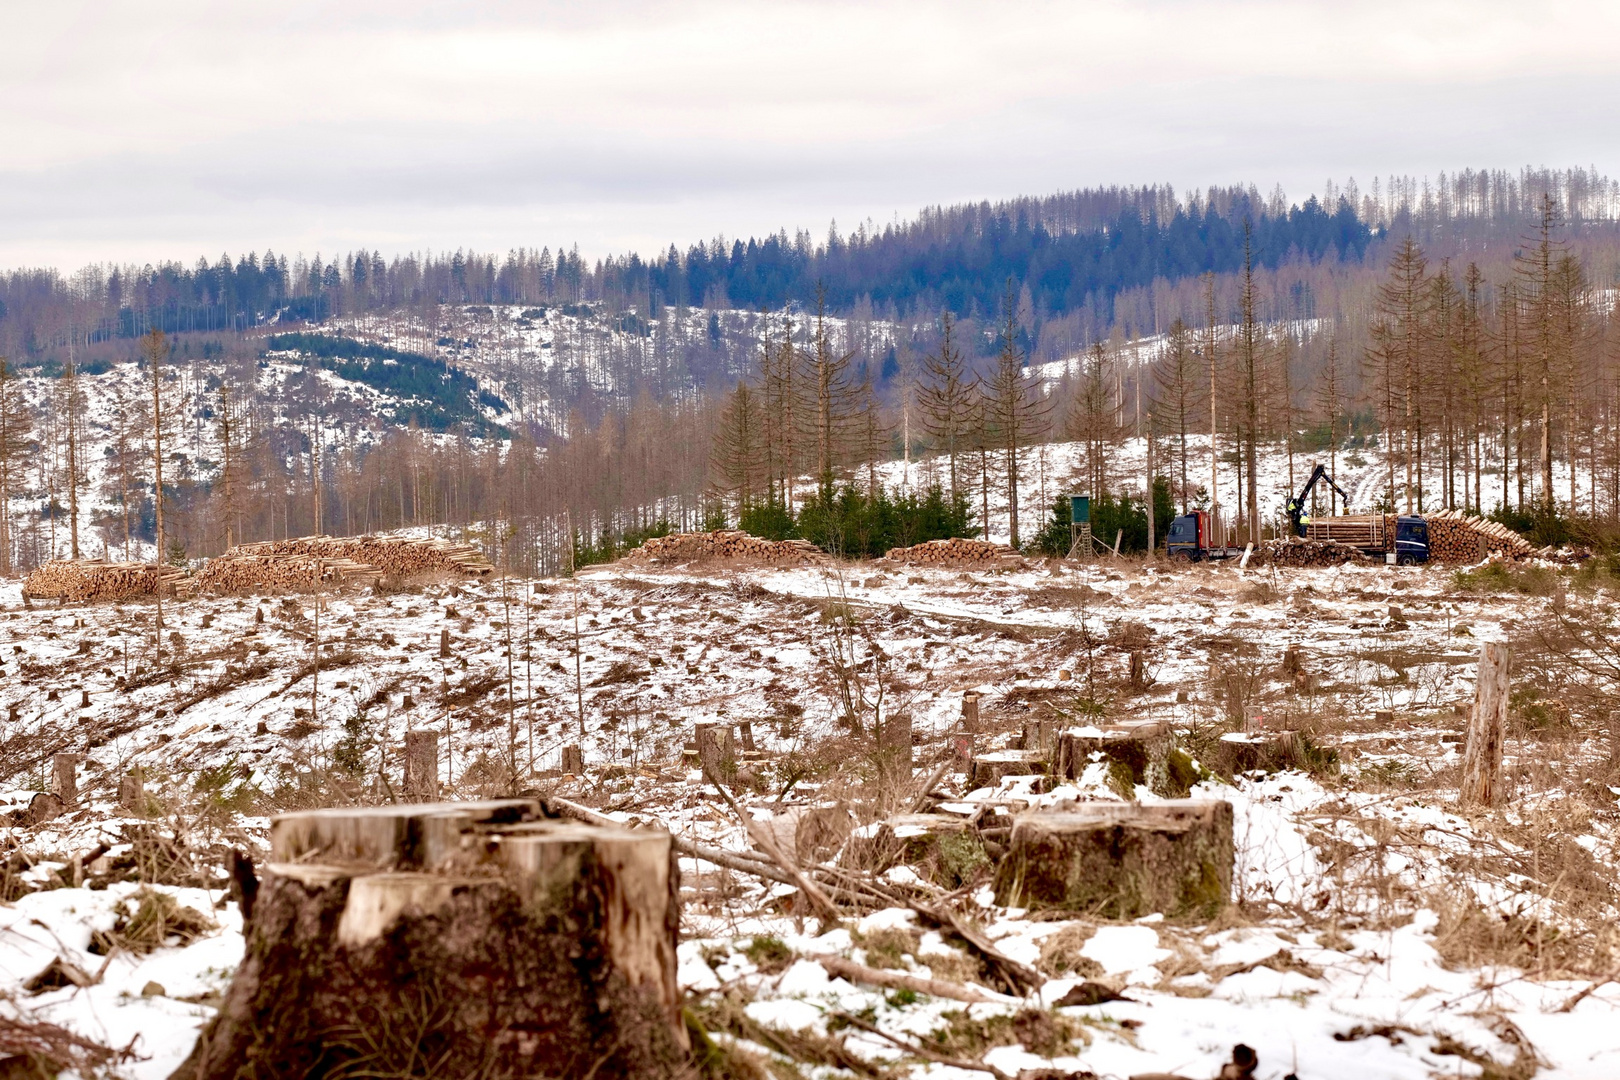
{"type": "Point", "coordinates": [1447, 329]}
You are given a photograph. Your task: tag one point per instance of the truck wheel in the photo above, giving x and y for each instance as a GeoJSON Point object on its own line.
{"type": "Point", "coordinates": [1182, 557]}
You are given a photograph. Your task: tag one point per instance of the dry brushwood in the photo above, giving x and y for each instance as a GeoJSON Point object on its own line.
{"type": "Point", "coordinates": [44, 1049]}
{"type": "Point", "coordinates": [92, 580]}
{"type": "Point", "coordinates": [725, 544]}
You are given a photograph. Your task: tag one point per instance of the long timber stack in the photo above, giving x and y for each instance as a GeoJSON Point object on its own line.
{"type": "Point", "coordinates": [234, 573]}
{"type": "Point", "coordinates": [1457, 537]}
{"type": "Point", "coordinates": [727, 544]}
{"type": "Point", "coordinates": [93, 580]}
{"type": "Point", "coordinates": [290, 564]}
{"type": "Point", "coordinates": [955, 552]}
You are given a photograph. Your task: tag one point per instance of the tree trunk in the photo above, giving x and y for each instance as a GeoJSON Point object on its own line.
{"type": "Point", "coordinates": [421, 765]}
{"type": "Point", "coordinates": [65, 777]}
{"type": "Point", "coordinates": [1487, 729]}
{"type": "Point", "coordinates": [471, 939]}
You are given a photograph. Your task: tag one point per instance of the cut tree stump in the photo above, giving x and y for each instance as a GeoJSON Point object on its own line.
{"type": "Point", "coordinates": [987, 770]}
{"type": "Point", "coordinates": [1131, 744]}
{"type": "Point", "coordinates": [473, 935]}
{"type": "Point", "coordinates": [132, 792]}
{"type": "Point", "coordinates": [1121, 860]}
{"type": "Point", "coordinates": [942, 849]}
{"type": "Point", "coordinates": [970, 713]}
{"type": "Point", "coordinates": [896, 744]}
{"type": "Point", "coordinates": [573, 760]}
{"type": "Point", "coordinates": [716, 750]}
{"type": "Point", "coordinates": [1041, 735]}
{"type": "Point", "coordinates": [421, 765]}
{"type": "Point", "coordinates": [1487, 729]}
{"type": "Point", "coordinates": [65, 777]}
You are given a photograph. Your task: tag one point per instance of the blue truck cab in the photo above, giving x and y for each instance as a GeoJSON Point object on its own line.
{"type": "Point", "coordinates": [1411, 540]}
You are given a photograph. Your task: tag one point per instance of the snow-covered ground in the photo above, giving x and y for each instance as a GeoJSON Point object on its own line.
{"type": "Point", "coordinates": [1343, 959]}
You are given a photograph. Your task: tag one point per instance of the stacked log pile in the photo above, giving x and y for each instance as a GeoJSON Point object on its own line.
{"type": "Point", "coordinates": [1294, 551]}
{"type": "Point", "coordinates": [956, 552]}
{"type": "Point", "coordinates": [90, 580]}
{"type": "Point", "coordinates": [725, 544]}
{"type": "Point", "coordinates": [237, 573]}
{"type": "Point", "coordinates": [1457, 537]}
{"type": "Point", "coordinates": [290, 563]}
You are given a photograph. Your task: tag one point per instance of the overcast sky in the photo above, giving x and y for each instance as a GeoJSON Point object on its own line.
{"type": "Point", "coordinates": [171, 129]}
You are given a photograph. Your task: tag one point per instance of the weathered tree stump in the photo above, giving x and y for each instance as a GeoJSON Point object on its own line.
{"type": "Point", "coordinates": [942, 849]}
{"type": "Point", "coordinates": [895, 744]}
{"type": "Point", "coordinates": [1129, 744]}
{"type": "Point", "coordinates": [1487, 728]}
{"type": "Point", "coordinates": [444, 643]}
{"type": "Point", "coordinates": [745, 730]}
{"type": "Point", "coordinates": [1291, 661]}
{"type": "Point", "coordinates": [716, 750]}
{"type": "Point", "coordinates": [1041, 735]}
{"type": "Point", "coordinates": [421, 765]}
{"type": "Point", "coordinates": [465, 939]}
{"type": "Point", "coordinates": [65, 777]}
{"type": "Point", "coordinates": [988, 769]}
{"type": "Point", "coordinates": [1121, 860]}
{"type": "Point", "coordinates": [573, 760]}
{"type": "Point", "coordinates": [970, 713]}
{"type": "Point", "coordinates": [962, 749]}
{"type": "Point", "coordinates": [132, 792]}
{"type": "Point", "coordinates": [1139, 679]}
{"type": "Point", "coordinates": [1268, 751]}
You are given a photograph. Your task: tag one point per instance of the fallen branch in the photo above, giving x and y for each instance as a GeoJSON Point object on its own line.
{"type": "Point", "coordinates": [840, 968]}
{"type": "Point", "coordinates": [1020, 978]}
{"type": "Point", "coordinates": [730, 859]}
{"type": "Point", "coordinates": [922, 1051]}
{"type": "Point", "coordinates": [1569, 1006]}
{"type": "Point", "coordinates": [920, 803]}
{"type": "Point", "coordinates": [767, 844]}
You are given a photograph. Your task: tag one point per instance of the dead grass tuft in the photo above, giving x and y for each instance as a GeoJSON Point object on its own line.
{"type": "Point", "coordinates": [157, 920]}
{"type": "Point", "coordinates": [1060, 953]}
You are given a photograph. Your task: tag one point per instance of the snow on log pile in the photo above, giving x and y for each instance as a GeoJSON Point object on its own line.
{"type": "Point", "coordinates": [725, 544]}
{"type": "Point", "coordinates": [237, 573]}
{"type": "Point", "coordinates": [1456, 537]}
{"type": "Point", "coordinates": [389, 556]}
{"type": "Point", "coordinates": [89, 580]}
{"type": "Point", "coordinates": [1294, 551]}
{"type": "Point", "coordinates": [956, 552]}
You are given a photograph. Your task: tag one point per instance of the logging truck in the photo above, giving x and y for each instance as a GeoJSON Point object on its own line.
{"type": "Point", "coordinates": [1398, 539]}
{"type": "Point", "coordinates": [1191, 539]}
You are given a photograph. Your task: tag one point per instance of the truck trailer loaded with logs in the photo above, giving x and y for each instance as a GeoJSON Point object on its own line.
{"type": "Point", "coordinates": [1398, 539]}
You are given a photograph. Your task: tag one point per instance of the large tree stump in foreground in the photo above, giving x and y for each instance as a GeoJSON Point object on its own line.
{"type": "Point", "coordinates": [454, 939]}
{"type": "Point", "coordinates": [1121, 860]}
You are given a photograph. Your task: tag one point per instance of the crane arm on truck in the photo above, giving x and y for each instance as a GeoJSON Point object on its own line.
{"type": "Point", "coordinates": [1296, 505]}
